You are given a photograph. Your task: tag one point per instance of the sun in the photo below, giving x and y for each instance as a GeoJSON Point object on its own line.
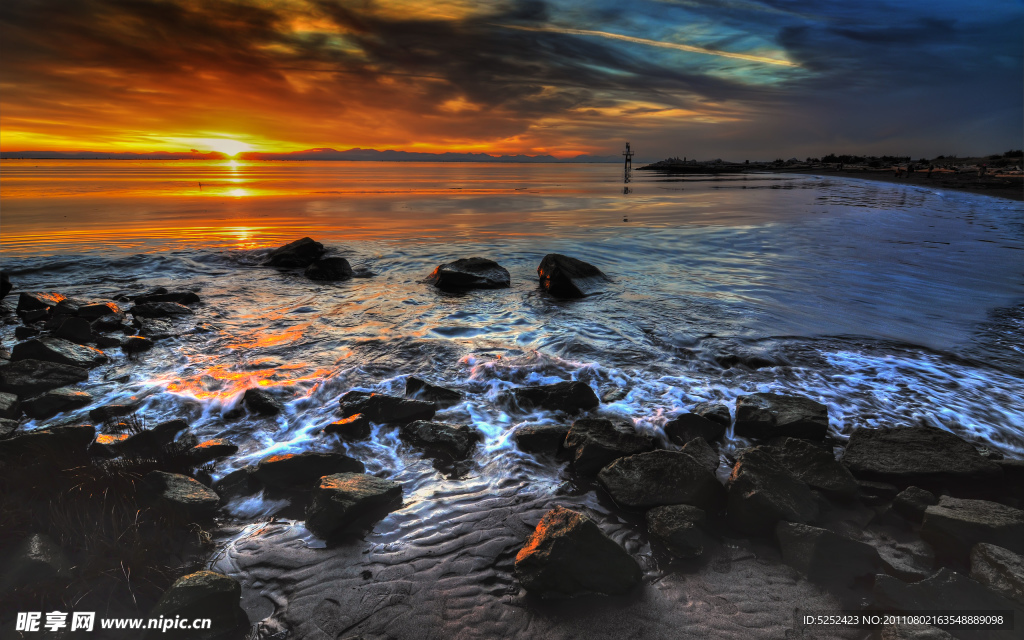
{"type": "Point", "coordinates": [227, 146]}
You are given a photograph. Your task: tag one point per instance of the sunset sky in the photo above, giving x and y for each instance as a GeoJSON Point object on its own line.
{"type": "Point", "coordinates": [701, 78]}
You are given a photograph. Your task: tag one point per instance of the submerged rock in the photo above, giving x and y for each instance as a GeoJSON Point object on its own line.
{"type": "Point", "coordinates": [541, 438]}
{"type": "Point", "coordinates": [423, 390]}
{"type": "Point", "coordinates": [10, 408]}
{"type": "Point", "coordinates": [596, 442]}
{"type": "Point", "coordinates": [762, 492]}
{"type": "Point", "coordinates": [202, 595]}
{"type": "Point", "coordinates": [342, 498]}
{"type": "Point", "coordinates": [329, 269]}
{"type": "Point", "coordinates": [955, 525]}
{"type": "Point", "coordinates": [50, 403]}
{"type": "Point", "coordinates": [470, 273]}
{"type": "Point", "coordinates": [662, 477]}
{"type": "Point", "coordinates": [384, 409]}
{"type": "Point", "coordinates": [568, 555]}
{"type": "Point", "coordinates": [680, 528]}
{"type": "Point", "coordinates": [300, 253]}
{"type": "Point", "coordinates": [160, 310]}
{"type": "Point", "coordinates": [823, 556]}
{"type": "Point", "coordinates": [770, 415]}
{"type": "Point", "coordinates": [260, 401]}
{"type": "Point", "coordinates": [352, 428]}
{"type": "Point", "coordinates": [31, 377]}
{"type": "Point", "coordinates": [816, 467]}
{"type": "Point", "coordinates": [999, 569]}
{"type": "Point", "coordinates": [302, 470]}
{"type": "Point", "coordinates": [185, 494]}
{"type": "Point", "coordinates": [51, 349]}
{"type": "Point", "coordinates": [912, 502]}
{"type": "Point", "coordinates": [453, 440]}
{"type": "Point", "coordinates": [570, 397]}
{"type": "Point", "coordinates": [565, 277]}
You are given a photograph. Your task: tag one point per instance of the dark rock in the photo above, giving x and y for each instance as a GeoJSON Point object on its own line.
{"type": "Point", "coordinates": [67, 307]}
{"type": "Point", "coordinates": [70, 438]}
{"type": "Point", "coordinates": [111, 324]}
{"type": "Point", "coordinates": [239, 482]}
{"type": "Point", "coordinates": [28, 317]}
{"type": "Point", "coordinates": [570, 397]}
{"type": "Point", "coordinates": [50, 349]}
{"type": "Point", "coordinates": [680, 529]}
{"type": "Point", "coordinates": [7, 428]}
{"type": "Point", "coordinates": [160, 310]}
{"type": "Point", "coordinates": [202, 595]}
{"type": "Point", "coordinates": [179, 297]}
{"type": "Point", "coordinates": [106, 342]}
{"type": "Point", "coordinates": [702, 452]}
{"type": "Point", "coordinates": [922, 456]}
{"type": "Point", "coordinates": [565, 277]}
{"type": "Point", "coordinates": [156, 328]}
{"type": "Point", "coordinates": [107, 445]}
{"type": "Point", "coordinates": [329, 269]}
{"type": "Point", "coordinates": [713, 411]}
{"type": "Point", "coordinates": [470, 273]}
{"type": "Point", "coordinates": [208, 450]}
{"type": "Point", "coordinates": [5, 284]}
{"type": "Point", "coordinates": [423, 390]}
{"type": "Point", "coordinates": [614, 395]}
{"type": "Point", "coordinates": [955, 525]}
{"type": "Point", "coordinates": [816, 467]}
{"type": "Point", "coordinates": [568, 555]}
{"type": "Point", "coordinates": [260, 401]}
{"type": "Point", "coordinates": [909, 561]}
{"type": "Point", "coordinates": [685, 427]}
{"type": "Point", "coordinates": [50, 403]}
{"type": "Point", "coordinates": [352, 428]}
{"type": "Point", "coordinates": [39, 301]}
{"type": "Point", "coordinates": [762, 492]}
{"type": "Point", "coordinates": [823, 556]}
{"type": "Point", "coordinates": [149, 442]}
{"type": "Point", "coordinates": [914, 632]}
{"type": "Point", "coordinates": [342, 498]}
{"type": "Point", "coordinates": [104, 309]}
{"type": "Point", "coordinates": [1013, 477]}
{"type": "Point", "coordinates": [77, 330]}
{"type": "Point", "coordinates": [541, 438]}
{"type": "Point", "coordinates": [32, 377]}
{"type": "Point", "coordinates": [184, 494]}
{"type": "Point", "coordinates": [303, 470]}
{"type": "Point", "coordinates": [999, 569]}
{"type": "Point", "coordinates": [384, 409]}
{"type": "Point", "coordinates": [300, 253]}
{"type": "Point", "coordinates": [135, 344]}
{"type": "Point", "coordinates": [596, 442]}
{"type": "Point", "coordinates": [662, 477]}
{"type": "Point", "coordinates": [876, 492]}
{"type": "Point", "coordinates": [10, 408]}
{"type": "Point", "coordinates": [770, 415]}
{"type": "Point", "coordinates": [453, 440]}
{"type": "Point", "coordinates": [912, 501]}
{"type": "Point", "coordinates": [35, 559]}
{"type": "Point", "coordinates": [24, 333]}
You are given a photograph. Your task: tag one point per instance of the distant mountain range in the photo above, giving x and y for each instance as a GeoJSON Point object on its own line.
{"type": "Point", "coordinates": [309, 154]}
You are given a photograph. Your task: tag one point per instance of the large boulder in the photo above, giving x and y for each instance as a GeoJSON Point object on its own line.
{"type": "Point", "coordinates": [568, 555]}
{"type": "Point", "coordinates": [771, 415]}
{"type": "Point", "coordinates": [455, 441]}
{"type": "Point", "coordinates": [422, 390]}
{"type": "Point", "coordinates": [570, 397]}
{"type": "Point", "coordinates": [680, 527]}
{"type": "Point", "coordinates": [160, 310]}
{"type": "Point", "coordinates": [470, 273]}
{"type": "Point", "coordinates": [60, 351]}
{"type": "Point", "coordinates": [565, 277]}
{"type": "Point", "coordinates": [540, 438]}
{"type": "Point", "coordinates": [262, 402]}
{"type": "Point", "coordinates": [352, 428]}
{"type": "Point", "coordinates": [201, 595]}
{"type": "Point", "coordinates": [329, 269]}
{"type": "Point", "coordinates": [823, 556]}
{"type": "Point", "coordinates": [596, 442]}
{"type": "Point", "coordinates": [924, 456]}
{"type": "Point", "coordinates": [384, 409]}
{"type": "Point", "coordinates": [999, 569]}
{"type": "Point", "coordinates": [300, 253]}
{"type": "Point", "coordinates": [31, 377]}
{"type": "Point", "coordinates": [817, 467]}
{"type": "Point", "coordinates": [50, 403]}
{"type": "Point", "coordinates": [183, 494]}
{"type": "Point", "coordinates": [10, 408]}
{"type": "Point", "coordinates": [763, 492]}
{"type": "Point", "coordinates": [342, 498]}
{"type": "Point", "coordinates": [302, 470]}
{"type": "Point", "coordinates": [662, 477]}
{"type": "Point", "coordinates": [955, 525]}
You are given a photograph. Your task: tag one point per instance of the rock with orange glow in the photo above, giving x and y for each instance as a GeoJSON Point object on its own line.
{"type": "Point", "coordinates": [352, 428]}
{"type": "Point", "coordinates": [260, 401]}
{"type": "Point", "coordinates": [135, 344]}
{"type": "Point", "coordinates": [568, 555]}
{"type": "Point", "coordinates": [50, 403]}
{"type": "Point", "coordinates": [662, 477]}
{"type": "Point", "coordinates": [565, 277]}
{"type": "Point", "coordinates": [302, 470]}
{"type": "Point", "coordinates": [597, 442]}
{"type": "Point", "coordinates": [94, 311]}
{"type": "Point", "coordinates": [342, 499]}
{"type": "Point", "coordinates": [208, 450]}
{"type": "Point", "coordinates": [297, 254]}
{"type": "Point", "coordinates": [38, 301]}
{"type": "Point", "coordinates": [571, 397]}
{"type": "Point", "coordinates": [329, 269]}
{"type": "Point", "coordinates": [384, 409]}
{"type": "Point", "coordinates": [763, 492]}
{"type": "Point", "coordinates": [51, 349]}
{"type": "Point", "coordinates": [470, 273]}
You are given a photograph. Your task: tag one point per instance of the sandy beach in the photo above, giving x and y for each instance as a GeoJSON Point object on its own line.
{"type": "Point", "coordinates": [997, 185]}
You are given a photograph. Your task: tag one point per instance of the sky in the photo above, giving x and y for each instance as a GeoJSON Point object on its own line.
{"type": "Point", "coordinates": [736, 79]}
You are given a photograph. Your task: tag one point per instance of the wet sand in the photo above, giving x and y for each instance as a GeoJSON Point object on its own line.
{"type": "Point", "coordinates": [999, 186]}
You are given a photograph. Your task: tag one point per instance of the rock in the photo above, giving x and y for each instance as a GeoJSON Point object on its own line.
{"type": "Point", "coordinates": [39, 301]}
{"type": "Point", "coordinates": [876, 492]}
{"type": "Point", "coordinates": [104, 309]}
{"type": "Point", "coordinates": [565, 277]}
{"type": "Point", "coordinates": [762, 492]}
{"type": "Point", "coordinates": [614, 395]}
{"type": "Point", "coordinates": [470, 273]}
{"type": "Point", "coordinates": [77, 330]}
{"type": "Point", "coordinates": [24, 333]}
{"type": "Point", "coordinates": [67, 307]}
{"type": "Point", "coordinates": [50, 403]}
{"type": "Point", "coordinates": [912, 502]}
{"type": "Point", "coordinates": [149, 442]}
{"type": "Point", "coordinates": [384, 409]}
{"type": "Point", "coordinates": [713, 411]}
{"type": "Point", "coordinates": [329, 269]}
{"type": "Point", "coordinates": [914, 632]}
{"type": "Point", "coordinates": [260, 401]}
{"type": "Point", "coordinates": [909, 561]}
{"type": "Point", "coordinates": [205, 595]}
{"type": "Point", "coordinates": [687, 426]}
{"type": "Point", "coordinates": [10, 408]}
{"type": "Point", "coordinates": [999, 569]}
{"type": "Point", "coordinates": [352, 428]}
{"type": "Point", "coordinates": [7, 428]}
{"type": "Point", "coordinates": [680, 528]}
{"type": "Point", "coordinates": [823, 556]}
{"type": "Point", "coordinates": [300, 253]}
{"type": "Point", "coordinates": [816, 467]}
{"type": "Point", "coordinates": [136, 344]}
{"type": "Point", "coordinates": [50, 349]}
{"type": "Point", "coordinates": [111, 324]}
{"type": "Point", "coordinates": [32, 377]}
{"type": "Point", "coordinates": [160, 310]}
{"type": "Point", "coordinates": [452, 440]}
{"type": "Point", "coordinates": [239, 482]}
{"type": "Point", "coordinates": [341, 498]}
{"type": "Point", "coordinates": [107, 445]}
{"type": "Point", "coordinates": [955, 525]}
{"type": "Point", "coordinates": [570, 397]}
{"type": "Point", "coordinates": [770, 415]}
{"type": "Point", "coordinates": [702, 453]}
{"type": "Point", "coordinates": [208, 450]}
{"type": "Point", "coordinates": [423, 390]}
{"type": "Point", "coordinates": [5, 285]}
{"type": "Point", "coordinates": [541, 438]}
{"type": "Point", "coordinates": [182, 493]}
{"type": "Point", "coordinates": [178, 297]}
{"type": "Point", "coordinates": [662, 477]}
{"type": "Point", "coordinates": [923, 456]}
{"type": "Point", "coordinates": [1013, 477]}
{"type": "Point", "coordinates": [568, 555]}
{"type": "Point", "coordinates": [68, 438]}
{"type": "Point", "coordinates": [28, 317]}
{"type": "Point", "coordinates": [596, 442]}
{"type": "Point", "coordinates": [111, 411]}
{"type": "Point", "coordinates": [302, 470]}
{"type": "Point", "coordinates": [35, 559]}
{"type": "Point", "coordinates": [156, 328]}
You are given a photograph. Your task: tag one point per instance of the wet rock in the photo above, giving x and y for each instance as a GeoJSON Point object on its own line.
{"type": "Point", "coordinates": [7, 428]}
{"type": "Point", "coordinates": [136, 344]}
{"type": "Point", "coordinates": [340, 499]}
{"type": "Point", "coordinates": [149, 442]}
{"type": "Point", "coordinates": [763, 492]}
{"type": "Point", "coordinates": [205, 595]}
{"type": "Point", "coordinates": [50, 349]}
{"type": "Point", "coordinates": [24, 333]}
{"type": "Point", "coordinates": [262, 402]}
{"type": "Point", "coordinates": [423, 390]}
{"type": "Point", "coordinates": [107, 445]}
{"type": "Point", "coordinates": [470, 273]}
{"type": "Point", "coordinates": [77, 330]}
{"type": "Point", "coordinates": [1013, 477]}
{"type": "Point", "coordinates": [945, 589]}
{"type": "Point", "coordinates": [111, 324]}
{"type": "Point", "coordinates": [208, 450]}
{"type": "Point", "coordinates": [384, 409]}
{"type": "Point", "coordinates": [66, 439]}
{"type": "Point", "coordinates": [770, 415]}
{"type": "Point", "coordinates": [922, 456]}
{"type": "Point", "coordinates": [597, 442]}
{"type": "Point", "coordinates": [35, 559]}
{"type": "Point", "coordinates": [999, 569]}
{"type": "Point", "coordinates": [541, 438]}
{"type": "Point", "coordinates": [702, 453]}
{"type": "Point", "coordinates": [955, 525]}
{"type": "Point", "coordinates": [67, 307]}
{"type": "Point", "coordinates": [5, 284]}
{"type": "Point", "coordinates": [685, 427]}
{"type": "Point", "coordinates": [182, 493]}
{"type": "Point", "coordinates": [614, 395]}
{"type": "Point", "coordinates": [156, 328]}
{"type": "Point", "coordinates": [912, 502]}
{"type": "Point", "coordinates": [104, 309]}
{"type": "Point", "coordinates": [50, 403]}
{"type": "Point", "coordinates": [160, 310]}
{"type": "Point", "coordinates": [352, 428]}
{"type": "Point", "coordinates": [908, 561]}
{"type": "Point", "coordinates": [565, 277]}
{"type": "Point", "coordinates": [816, 467]}
{"type": "Point", "coordinates": [239, 482]}
{"type": "Point", "coordinates": [453, 440]}
{"type": "Point", "coordinates": [28, 317]}
{"type": "Point", "coordinates": [823, 556]}
{"type": "Point", "coordinates": [38, 301]}
{"type": "Point", "coordinates": [680, 528]}
{"type": "Point", "coordinates": [329, 269]}
{"type": "Point", "coordinates": [32, 377]}
{"type": "Point", "coordinates": [300, 253]}
{"type": "Point", "coordinates": [568, 555]}
{"type": "Point", "coordinates": [570, 397]}
{"type": "Point", "coordinates": [10, 408]}
{"type": "Point", "coordinates": [662, 477]}
{"type": "Point", "coordinates": [178, 297]}
{"type": "Point", "coordinates": [302, 470]}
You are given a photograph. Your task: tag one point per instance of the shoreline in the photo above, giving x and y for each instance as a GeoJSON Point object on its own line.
{"type": "Point", "coordinates": [1009, 188]}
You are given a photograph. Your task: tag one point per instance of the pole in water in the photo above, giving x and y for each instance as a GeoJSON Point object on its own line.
{"type": "Point", "coordinates": [627, 173]}
{"type": "Point", "coordinates": [200, 186]}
